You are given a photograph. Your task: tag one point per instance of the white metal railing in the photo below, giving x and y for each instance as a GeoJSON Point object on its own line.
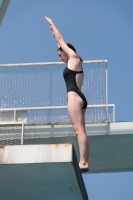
{"type": "Point", "coordinates": [14, 110]}
{"type": "Point", "coordinates": [49, 63]}
{"type": "Point", "coordinates": [62, 107]}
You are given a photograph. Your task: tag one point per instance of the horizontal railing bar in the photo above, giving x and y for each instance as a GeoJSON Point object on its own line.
{"type": "Point", "coordinates": [49, 63]}
{"type": "Point", "coordinates": [95, 61]}
{"type": "Point", "coordinates": [53, 107]}
{"type": "Point", "coordinates": [100, 105]}
{"type": "Point", "coordinates": [11, 123]}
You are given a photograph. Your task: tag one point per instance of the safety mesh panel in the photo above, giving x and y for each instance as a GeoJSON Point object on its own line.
{"type": "Point", "coordinates": [10, 134]}
{"type": "Point", "coordinates": [42, 86]}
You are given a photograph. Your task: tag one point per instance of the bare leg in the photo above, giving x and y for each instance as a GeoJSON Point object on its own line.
{"type": "Point", "coordinates": [88, 144]}
{"type": "Point", "coordinates": [76, 114]}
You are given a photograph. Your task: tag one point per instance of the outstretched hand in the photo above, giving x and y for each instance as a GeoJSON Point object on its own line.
{"type": "Point", "coordinates": [51, 25]}
{"type": "Point", "coordinates": [49, 20]}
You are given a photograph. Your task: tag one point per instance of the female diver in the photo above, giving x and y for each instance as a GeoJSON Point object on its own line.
{"type": "Point", "coordinates": [73, 76]}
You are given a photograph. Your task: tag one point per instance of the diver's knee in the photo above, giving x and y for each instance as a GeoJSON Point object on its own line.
{"type": "Point", "coordinates": [78, 130]}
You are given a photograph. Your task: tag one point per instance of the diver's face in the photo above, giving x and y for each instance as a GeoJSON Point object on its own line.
{"type": "Point", "coordinates": [63, 56]}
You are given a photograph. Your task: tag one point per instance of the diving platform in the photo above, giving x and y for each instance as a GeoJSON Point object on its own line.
{"type": "Point", "coordinates": [45, 163]}
{"type": "Point", "coordinates": [40, 172]}
{"type": "Point", "coordinates": [111, 144]}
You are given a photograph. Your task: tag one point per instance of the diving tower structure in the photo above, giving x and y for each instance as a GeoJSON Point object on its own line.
{"type": "Point", "coordinates": [38, 149]}
{"type": "Point", "coordinates": [3, 8]}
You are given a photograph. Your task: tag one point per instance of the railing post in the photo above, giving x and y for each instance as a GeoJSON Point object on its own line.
{"type": "Point", "coordinates": [14, 115]}
{"type": "Point", "coordinates": [22, 134]}
{"type": "Point", "coordinates": [113, 113]}
{"type": "Point", "coordinates": [106, 68]}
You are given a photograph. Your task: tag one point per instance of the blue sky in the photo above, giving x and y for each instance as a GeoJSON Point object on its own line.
{"type": "Point", "coordinates": [98, 30]}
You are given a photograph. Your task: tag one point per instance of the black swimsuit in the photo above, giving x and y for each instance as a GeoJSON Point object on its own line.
{"type": "Point", "coordinates": [70, 79]}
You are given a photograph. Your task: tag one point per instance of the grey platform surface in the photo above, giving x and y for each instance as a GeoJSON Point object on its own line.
{"type": "Point", "coordinates": [39, 181]}
{"type": "Point", "coordinates": [108, 153]}
{"type": "Point", "coordinates": [44, 175]}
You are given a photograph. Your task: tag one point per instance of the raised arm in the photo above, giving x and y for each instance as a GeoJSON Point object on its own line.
{"type": "Point", "coordinates": [59, 39]}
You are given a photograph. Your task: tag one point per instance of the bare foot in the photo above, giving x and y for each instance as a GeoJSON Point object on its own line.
{"type": "Point", "coordinates": [84, 167]}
